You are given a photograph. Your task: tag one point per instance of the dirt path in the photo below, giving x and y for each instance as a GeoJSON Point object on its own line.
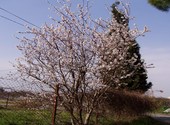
{"type": "Point", "coordinates": [161, 117]}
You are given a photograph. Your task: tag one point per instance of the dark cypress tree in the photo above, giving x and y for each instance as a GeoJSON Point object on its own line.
{"type": "Point", "coordinates": [137, 78]}
{"type": "Point", "coordinates": [162, 5]}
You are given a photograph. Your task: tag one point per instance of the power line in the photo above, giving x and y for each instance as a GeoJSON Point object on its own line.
{"type": "Point", "coordinates": [11, 20]}
{"type": "Point", "coordinates": [17, 17]}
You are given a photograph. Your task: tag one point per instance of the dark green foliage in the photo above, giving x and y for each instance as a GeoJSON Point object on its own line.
{"type": "Point", "coordinates": [118, 15]}
{"type": "Point", "coordinates": [162, 5]}
{"type": "Point", "coordinates": [137, 80]}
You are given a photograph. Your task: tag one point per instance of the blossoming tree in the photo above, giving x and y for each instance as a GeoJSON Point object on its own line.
{"type": "Point", "coordinates": [71, 57]}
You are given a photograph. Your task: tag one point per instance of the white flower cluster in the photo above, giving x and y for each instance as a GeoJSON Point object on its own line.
{"type": "Point", "coordinates": [61, 53]}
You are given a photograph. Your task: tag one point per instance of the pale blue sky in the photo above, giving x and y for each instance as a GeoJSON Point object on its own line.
{"type": "Point", "coordinates": [155, 46]}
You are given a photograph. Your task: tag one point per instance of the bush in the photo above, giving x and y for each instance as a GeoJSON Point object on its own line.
{"type": "Point", "coordinates": [162, 104]}
{"type": "Point", "coordinates": [123, 103]}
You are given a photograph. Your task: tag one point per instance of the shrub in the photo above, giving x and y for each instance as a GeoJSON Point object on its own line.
{"type": "Point", "coordinates": [123, 103]}
{"type": "Point", "coordinates": [161, 104]}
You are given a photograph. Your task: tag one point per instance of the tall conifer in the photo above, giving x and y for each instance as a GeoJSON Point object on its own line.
{"type": "Point", "coordinates": [136, 81]}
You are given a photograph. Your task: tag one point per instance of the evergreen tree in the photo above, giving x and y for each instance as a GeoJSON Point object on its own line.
{"type": "Point", "coordinates": [162, 5]}
{"type": "Point", "coordinates": [137, 80]}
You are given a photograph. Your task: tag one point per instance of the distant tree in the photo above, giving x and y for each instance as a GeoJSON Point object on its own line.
{"type": "Point", "coordinates": [137, 75]}
{"type": "Point", "coordinates": [2, 89]}
{"type": "Point", "coordinates": [162, 5]}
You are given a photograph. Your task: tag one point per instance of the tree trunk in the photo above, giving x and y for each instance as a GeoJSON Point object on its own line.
{"type": "Point", "coordinates": [97, 117]}
{"type": "Point", "coordinates": [72, 122]}
{"type": "Point", "coordinates": [87, 118]}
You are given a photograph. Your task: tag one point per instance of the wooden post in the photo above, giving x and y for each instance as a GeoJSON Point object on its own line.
{"type": "Point", "coordinates": [55, 105]}
{"type": "Point", "coordinates": [7, 101]}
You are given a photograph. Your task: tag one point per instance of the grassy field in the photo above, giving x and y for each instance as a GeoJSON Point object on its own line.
{"type": "Point", "coordinates": [162, 105]}
{"type": "Point", "coordinates": [27, 117]}
{"type": "Point", "coordinates": [17, 115]}
{"type": "Point", "coordinates": [21, 117]}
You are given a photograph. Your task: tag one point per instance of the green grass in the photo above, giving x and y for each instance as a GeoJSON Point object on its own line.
{"type": "Point", "coordinates": [162, 105]}
{"type": "Point", "coordinates": [14, 117]}
{"type": "Point", "coordinates": [161, 110]}
{"type": "Point", "coordinates": [28, 117]}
